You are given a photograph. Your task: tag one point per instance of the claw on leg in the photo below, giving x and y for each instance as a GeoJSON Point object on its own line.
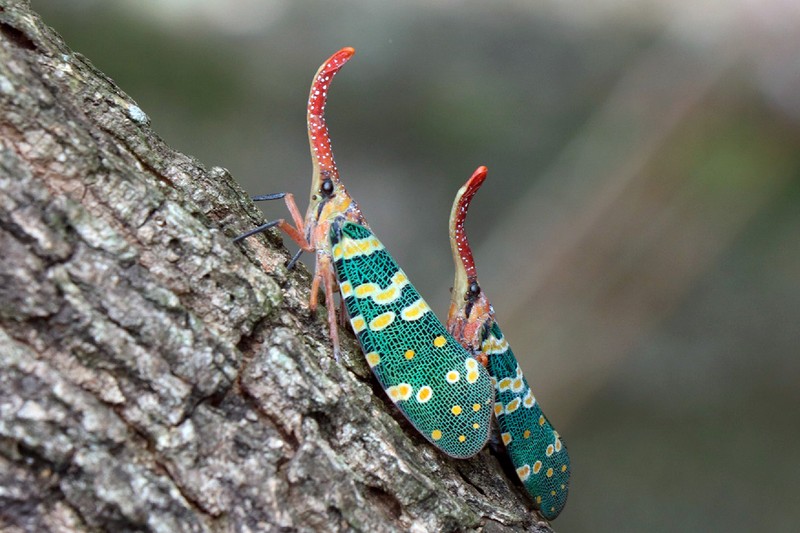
{"type": "Point", "coordinates": [293, 261]}
{"type": "Point", "coordinates": [259, 229]}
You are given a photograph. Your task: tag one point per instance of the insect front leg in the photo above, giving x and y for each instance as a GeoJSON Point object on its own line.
{"type": "Point", "coordinates": [325, 269]}
{"type": "Point", "coordinates": [324, 278]}
{"type": "Point", "coordinates": [297, 232]}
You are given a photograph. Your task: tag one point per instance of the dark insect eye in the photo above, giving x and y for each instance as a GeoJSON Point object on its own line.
{"type": "Point", "coordinates": [327, 187]}
{"type": "Point", "coordinates": [474, 288]}
{"type": "Point", "coordinates": [473, 291]}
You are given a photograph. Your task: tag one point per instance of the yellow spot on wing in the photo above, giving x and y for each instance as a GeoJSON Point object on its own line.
{"type": "Point", "coordinates": [476, 407]}
{"type": "Point", "coordinates": [549, 451]}
{"type": "Point", "coordinates": [563, 469]}
{"type": "Point", "coordinates": [472, 376]}
{"type": "Point", "coordinates": [498, 409]}
{"type": "Point", "coordinates": [529, 399]}
{"type": "Point", "coordinates": [364, 245]}
{"type": "Point", "coordinates": [462, 438]}
{"type": "Point", "coordinates": [541, 420]}
{"type": "Point", "coordinates": [337, 251]}
{"type": "Point", "coordinates": [436, 434]}
{"type": "Point", "coordinates": [439, 341]}
{"type": "Point", "coordinates": [373, 359]}
{"type": "Point", "coordinates": [504, 384]}
{"type": "Point", "coordinates": [355, 247]}
{"type": "Point", "coordinates": [476, 425]}
{"type": "Point", "coordinates": [512, 406]}
{"type": "Point", "coordinates": [549, 472]}
{"type": "Point", "coordinates": [523, 472]}
{"type": "Point", "coordinates": [349, 250]}
{"type": "Point", "coordinates": [346, 288]}
{"type": "Point", "coordinates": [558, 445]}
{"type": "Point", "coordinates": [424, 394]}
{"type": "Point", "coordinates": [415, 311]}
{"type": "Point", "coordinates": [493, 346]}
{"type": "Point", "coordinates": [456, 410]}
{"type": "Point", "coordinates": [381, 321]}
{"type": "Point", "coordinates": [400, 279]}
{"type": "Point", "coordinates": [358, 323]}
{"type": "Point", "coordinates": [404, 391]}
{"type": "Point", "coordinates": [399, 392]}
{"type": "Point", "coordinates": [366, 289]}
{"type": "Point", "coordinates": [409, 354]}
{"type": "Point", "coordinates": [388, 295]}
{"type": "Point", "coordinates": [506, 438]}
{"type": "Point", "coordinates": [453, 376]}
{"type": "Point", "coordinates": [526, 434]}
{"type": "Point", "coordinates": [537, 466]}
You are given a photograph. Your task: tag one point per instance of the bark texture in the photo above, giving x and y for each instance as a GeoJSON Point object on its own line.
{"type": "Point", "coordinates": [156, 377]}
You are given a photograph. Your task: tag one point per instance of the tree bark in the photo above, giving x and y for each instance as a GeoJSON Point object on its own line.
{"type": "Point", "coordinates": [155, 376]}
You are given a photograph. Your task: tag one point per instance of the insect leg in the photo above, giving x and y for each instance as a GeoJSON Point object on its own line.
{"type": "Point", "coordinates": [296, 232]}
{"type": "Point", "coordinates": [265, 197]}
{"type": "Point", "coordinates": [329, 282]}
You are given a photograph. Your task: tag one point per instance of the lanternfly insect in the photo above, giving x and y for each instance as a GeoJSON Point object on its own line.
{"type": "Point", "coordinates": [434, 381]}
{"type": "Point", "coordinates": [535, 447]}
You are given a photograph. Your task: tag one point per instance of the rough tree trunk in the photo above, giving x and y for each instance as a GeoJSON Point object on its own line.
{"type": "Point", "coordinates": [155, 376]}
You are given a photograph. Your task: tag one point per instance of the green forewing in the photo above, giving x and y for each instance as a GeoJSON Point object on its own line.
{"type": "Point", "coordinates": [535, 448]}
{"type": "Point", "coordinates": [436, 383]}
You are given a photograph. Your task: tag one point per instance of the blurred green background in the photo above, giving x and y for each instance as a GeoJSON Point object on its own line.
{"type": "Point", "coordinates": [638, 235]}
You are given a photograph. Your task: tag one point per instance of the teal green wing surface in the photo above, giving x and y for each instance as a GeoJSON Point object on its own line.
{"type": "Point", "coordinates": [445, 393]}
{"type": "Point", "coordinates": [535, 447]}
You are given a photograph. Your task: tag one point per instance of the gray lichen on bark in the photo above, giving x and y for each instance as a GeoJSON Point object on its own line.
{"type": "Point", "coordinates": [155, 376]}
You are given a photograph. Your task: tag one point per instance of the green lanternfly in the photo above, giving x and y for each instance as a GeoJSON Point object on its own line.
{"type": "Point", "coordinates": [435, 382]}
{"type": "Point", "coordinates": [535, 447]}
